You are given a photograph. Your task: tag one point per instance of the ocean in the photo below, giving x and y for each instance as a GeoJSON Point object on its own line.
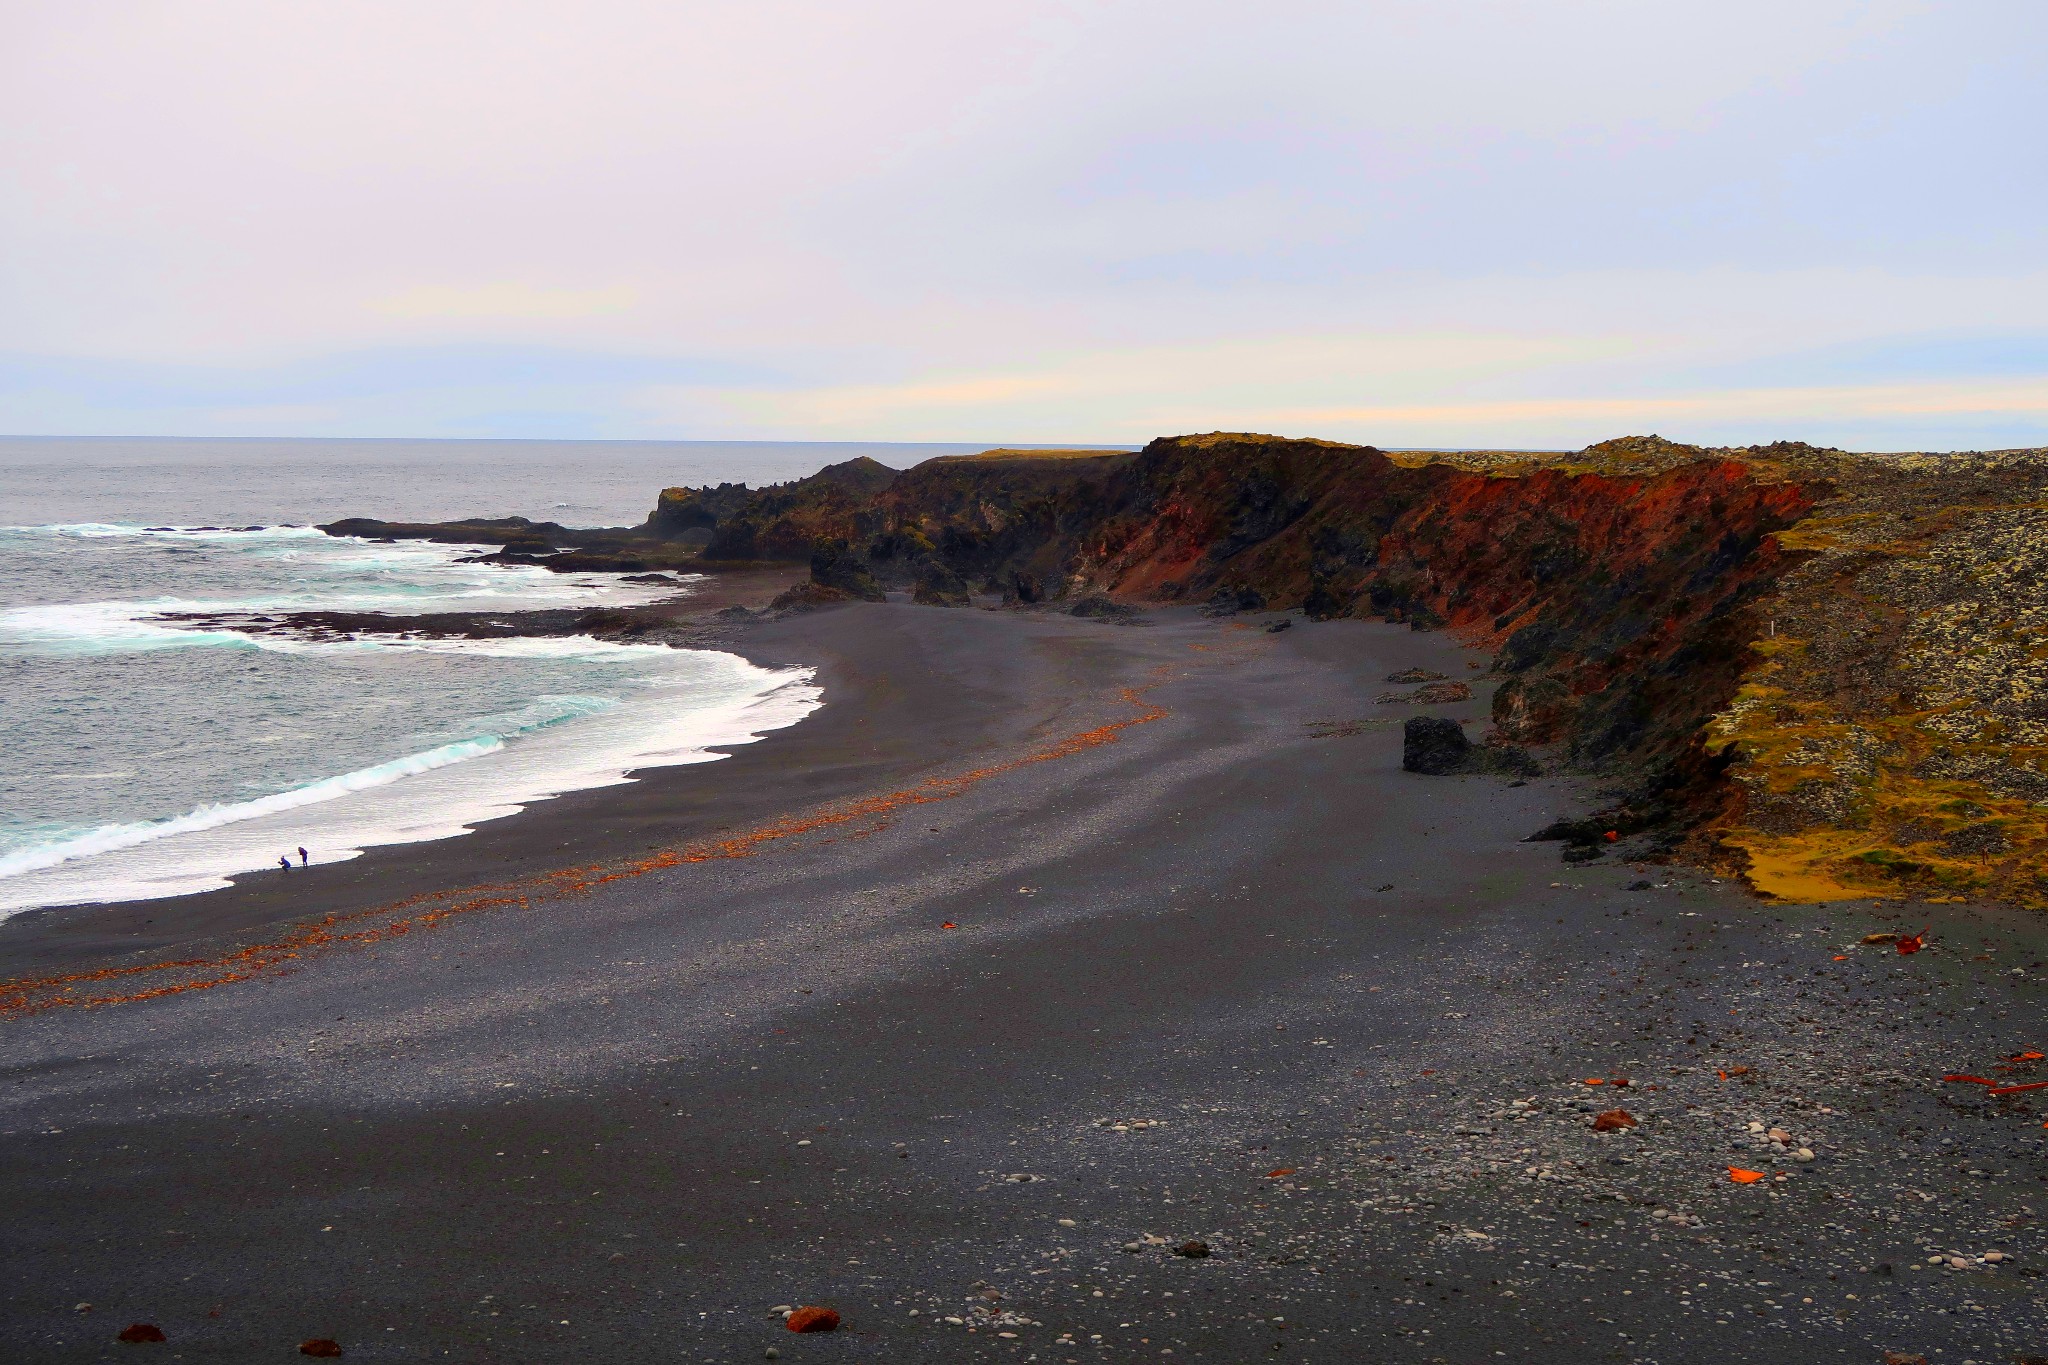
{"type": "Point", "coordinates": [144, 757]}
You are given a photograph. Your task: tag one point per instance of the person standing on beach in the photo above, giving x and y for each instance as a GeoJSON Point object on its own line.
{"type": "Point", "coordinates": [285, 862]}
{"type": "Point", "coordinates": [302, 855]}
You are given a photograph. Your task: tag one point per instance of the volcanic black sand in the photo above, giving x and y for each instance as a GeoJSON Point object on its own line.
{"type": "Point", "coordinates": [1219, 976]}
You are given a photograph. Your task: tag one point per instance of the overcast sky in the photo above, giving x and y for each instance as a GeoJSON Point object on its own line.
{"type": "Point", "coordinates": [1430, 223]}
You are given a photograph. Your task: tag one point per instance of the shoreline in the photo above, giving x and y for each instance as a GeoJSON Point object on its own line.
{"type": "Point", "coordinates": [830, 754]}
{"type": "Point", "coordinates": [1226, 978]}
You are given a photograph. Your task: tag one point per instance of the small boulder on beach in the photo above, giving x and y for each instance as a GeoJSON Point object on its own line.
{"type": "Point", "coordinates": [1434, 745]}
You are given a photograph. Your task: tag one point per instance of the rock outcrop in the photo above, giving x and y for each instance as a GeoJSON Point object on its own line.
{"type": "Point", "coordinates": [1825, 670]}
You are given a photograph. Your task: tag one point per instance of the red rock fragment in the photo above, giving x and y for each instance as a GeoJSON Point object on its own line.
{"type": "Point", "coordinates": [1279, 1171]}
{"type": "Point", "coordinates": [319, 1346]}
{"type": "Point", "coordinates": [1913, 943]}
{"type": "Point", "coordinates": [1612, 1119]}
{"type": "Point", "coordinates": [1903, 1358]}
{"type": "Point", "coordinates": [812, 1319]}
{"type": "Point", "coordinates": [136, 1332]}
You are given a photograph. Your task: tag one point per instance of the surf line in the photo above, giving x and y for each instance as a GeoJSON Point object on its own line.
{"type": "Point", "coordinates": [35, 995]}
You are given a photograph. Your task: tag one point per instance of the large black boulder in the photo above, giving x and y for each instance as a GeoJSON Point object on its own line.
{"type": "Point", "coordinates": [1435, 745]}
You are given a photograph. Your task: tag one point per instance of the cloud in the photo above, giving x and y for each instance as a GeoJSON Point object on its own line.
{"type": "Point", "coordinates": [504, 300]}
{"type": "Point", "coordinates": [787, 217]}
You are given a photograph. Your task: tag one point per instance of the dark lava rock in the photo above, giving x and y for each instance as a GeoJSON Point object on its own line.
{"type": "Point", "coordinates": [1192, 1250]}
{"type": "Point", "coordinates": [1415, 675]}
{"type": "Point", "coordinates": [1582, 853]}
{"type": "Point", "coordinates": [320, 1346]}
{"type": "Point", "coordinates": [939, 586]}
{"type": "Point", "coordinates": [835, 565]}
{"type": "Point", "coordinates": [1440, 693]}
{"type": "Point", "coordinates": [137, 1332]}
{"type": "Point", "coordinates": [808, 597]}
{"type": "Point", "coordinates": [1096, 607]}
{"type": "Point", "coordinates": [1510, 760]}
{"type": "Point", "coordinates": [1230, 601]}
{"type": "Point", "coordinates": [1275, 627]}
{"type": "Point", "coordinates": [1435, 745]}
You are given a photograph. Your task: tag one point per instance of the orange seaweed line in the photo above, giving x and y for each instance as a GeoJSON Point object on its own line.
{"type": "Point", "coordinates": [34, 995]}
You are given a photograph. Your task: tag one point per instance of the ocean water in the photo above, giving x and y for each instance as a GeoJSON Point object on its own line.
{"type": "Point", "coordinates": [144, 756]}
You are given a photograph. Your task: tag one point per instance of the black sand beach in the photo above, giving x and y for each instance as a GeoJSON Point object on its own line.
{"type": "Point", "coordinates": [1221, 979]}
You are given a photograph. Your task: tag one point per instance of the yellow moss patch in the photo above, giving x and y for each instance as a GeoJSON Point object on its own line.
{"type": "Point", "coordinates": [1802, 867]}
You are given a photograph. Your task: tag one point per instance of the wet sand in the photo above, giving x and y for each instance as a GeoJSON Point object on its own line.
{"type": "Point", "coordinates": [1220, 973]}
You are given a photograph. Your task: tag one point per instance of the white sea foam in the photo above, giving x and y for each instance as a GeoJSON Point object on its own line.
{"type": "Point", "coordinates": [560, 744]}
{"type": "Point", "coordinates": [660, 705]}
{"type": "Point", "coordinates": [325, 573]}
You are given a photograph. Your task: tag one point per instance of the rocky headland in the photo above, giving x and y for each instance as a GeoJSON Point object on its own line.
{"type": "Point", "coordinates": [1818, 669]}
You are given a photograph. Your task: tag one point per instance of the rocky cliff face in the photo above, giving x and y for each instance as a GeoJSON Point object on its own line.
{"type": "Point", "coordinates": [1827, 670]}
{"type": "Point", "coordinates": [1892, 736]}
{"type": "Point", "coordinates": [1827, 667]}
{"type": "Point", "coordinates": [1619, 603]}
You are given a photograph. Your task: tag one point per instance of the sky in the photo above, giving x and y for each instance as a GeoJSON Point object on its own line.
{"type": "Point", "coordinates": [1438, 223]}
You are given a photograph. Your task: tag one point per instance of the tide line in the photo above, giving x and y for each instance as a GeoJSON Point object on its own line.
{"type": "Point", "coordinates": [26, 996]}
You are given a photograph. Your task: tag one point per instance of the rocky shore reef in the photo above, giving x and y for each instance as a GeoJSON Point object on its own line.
{"type": "Point", "coordinates": [1827, 671]}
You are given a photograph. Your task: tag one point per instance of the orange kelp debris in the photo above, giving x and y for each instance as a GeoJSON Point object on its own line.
{"type": "Point", "coordinates": [2015, 1089]}
{"type": "Point", "coordinates": [1967, 1079]}
{"type": "Point", "coordinates": [1913, 943]}
{"type": "Point", "coordinates": [2026, 1056]}
{"type": "Point", "coordinates": [136, 1332]}
{"type": "Point", "coordinates": [949, 925]}
{"type": "Point", "coordinates": [1880, 938]}
{"type": "Point", "coordinates": [320, 1346]}
{"type": "Point", "coordinates": [1596, 1080]}
{"type": "Point", "coordinates": [1280, 1171]}
{"type": "Point", "coordinates": [32, 995]}
{"type": "Point", "coordinates": [812, 1320]}
{"type": "Point", "coordinates": [1613, 1119]}
{"type": "Point", "coordinates": [1742, 1177]}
